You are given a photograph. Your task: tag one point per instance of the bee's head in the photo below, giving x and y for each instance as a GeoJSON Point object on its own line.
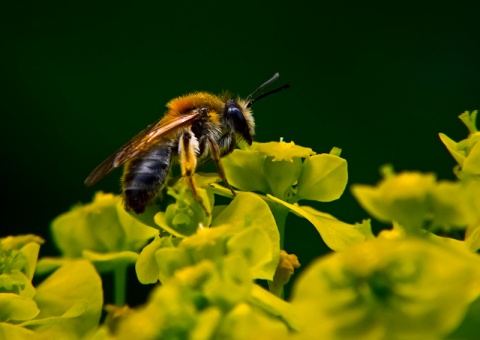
{"type": "Point", "coordinates": [240, 119]}
{"type": "Point", "coordinates": [238, 113]}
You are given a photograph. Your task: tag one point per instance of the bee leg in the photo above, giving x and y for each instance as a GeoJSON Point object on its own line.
{"type": "Point", "coordinates": [188, 147]}
{"type": "Point", "coordinates": [227, 143]}
{"type": "Point", "coordinates": [215, 152]}
{"type": "Point", "coordinates": [193, 188]}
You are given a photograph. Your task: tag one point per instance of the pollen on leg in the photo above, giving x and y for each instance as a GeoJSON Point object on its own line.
{"type": "Point", "coordinates": [188, 148]}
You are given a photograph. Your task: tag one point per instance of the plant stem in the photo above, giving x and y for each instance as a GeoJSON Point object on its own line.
{"type": "Point", "coordinates": [120, 284]}
{"type": "Point", "coordinates": [280, 214]}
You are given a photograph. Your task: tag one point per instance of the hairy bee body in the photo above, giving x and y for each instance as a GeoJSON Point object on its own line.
{"type": "Point", "coordinates": [196, 127]}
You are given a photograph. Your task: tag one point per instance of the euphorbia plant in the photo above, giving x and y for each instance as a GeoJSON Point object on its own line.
{"type": "Point", "coordinates": [409, 281]}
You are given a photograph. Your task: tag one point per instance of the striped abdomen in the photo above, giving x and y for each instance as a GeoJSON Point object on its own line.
{"type": "Point", "coordinates": [145, 176]}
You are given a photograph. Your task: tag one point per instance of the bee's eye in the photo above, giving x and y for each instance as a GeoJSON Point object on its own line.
{"type": "Point", "coordinates": [235, 115]}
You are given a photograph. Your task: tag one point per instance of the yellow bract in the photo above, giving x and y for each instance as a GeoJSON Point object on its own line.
{"type": "Point", "coordinates": [281, 151]}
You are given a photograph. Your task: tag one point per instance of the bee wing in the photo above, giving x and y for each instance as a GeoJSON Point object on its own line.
{"type": "Point", "coordinates": [139, 144]}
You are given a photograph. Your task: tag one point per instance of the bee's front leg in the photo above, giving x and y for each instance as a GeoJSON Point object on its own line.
{"type": "Point", "coordinates": [216, 154]}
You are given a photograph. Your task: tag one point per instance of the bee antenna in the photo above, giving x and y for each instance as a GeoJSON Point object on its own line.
{"type": "Point", "coordinates": [281, 88]}
{"type": "Point", "coordinates": [250, 100]}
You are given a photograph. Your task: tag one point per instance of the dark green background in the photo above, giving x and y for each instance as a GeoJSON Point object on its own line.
{"type": "Point", "coordinates": [377, 79]}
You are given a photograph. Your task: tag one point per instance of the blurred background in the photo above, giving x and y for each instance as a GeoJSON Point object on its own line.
{"type": "Point", "coordinates": [379, 80]}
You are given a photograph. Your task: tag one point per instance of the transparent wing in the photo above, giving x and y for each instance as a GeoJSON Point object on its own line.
{"type": "Point", "coordinates": [143, 141]}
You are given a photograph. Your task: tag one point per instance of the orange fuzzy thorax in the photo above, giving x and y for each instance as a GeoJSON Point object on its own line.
{"type": "Point", "coordinates": [195, 100]}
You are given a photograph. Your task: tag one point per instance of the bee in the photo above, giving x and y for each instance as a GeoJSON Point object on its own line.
{"type": "Point", "coordinates": [196, 127]}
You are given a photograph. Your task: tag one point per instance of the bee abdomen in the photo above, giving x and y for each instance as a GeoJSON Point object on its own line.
{"type": "Point", "coordinates": [145, 176]}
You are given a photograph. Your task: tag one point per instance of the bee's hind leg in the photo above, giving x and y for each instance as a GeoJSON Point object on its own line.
{"type": "Point", "coordinates": [188, 147]}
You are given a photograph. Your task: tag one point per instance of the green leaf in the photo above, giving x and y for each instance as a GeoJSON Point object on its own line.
{"type": "Point", "coordinates": [170, 313]}
{"type": "Point", "coordinates": [403, 198]}
{"type": "Point", "coordinates": [205, 180]}
{"type": "Point", "coordinates": [16, 308]}
{"type": "Point", "coordinates": [469, 119]}
{"type": "Point", "coordinates": [208, 243]}
{"type": "Point", "coordinates": [249, 210]}
{"type": "Point", "coordinates": [146, 267]}
{"type": "Point", "coordinates": [336, 234]}
{"type": "Point", "coordinates": [281, 175]}
{"type": "Point", "coordinates": [472, 239]}
{"type": "Point", "coordinates": [70, 302]}
{"type": "Point", "coordinates": [450, 206]}
{"type": "Point", "coordinates": [147, 217]}
{"type": "Point", "coordinates": [30, 250]}
{"type": "Point", "coordinates": [94, 226]}
{"type": "Point", "coordinates": [222, 191]}
{"type": "Point", "coordinates": [9, 331]}
{"type": "Point", "coordinates": [169, 260]}
{"type": "Point", "coordinates": [246, 210]}
{"type": "Point", "coordinates": [109, 262]}
{"type": "Point", "coordinates": [48, 264]}
{"type": "Point", "coordinates": [207, 323]}
{"type": "Point", "coordinates": [229, 285]}
{"type": "Point", "coordinates": [471, 164]}
{"type": "Point", "coordinates": [468, 329]}
{"type": "Point", "coordinates": [246, 322]}
{"type": "Point", "coordinates": [323, 178]}
{"type": "Point", "coordinates": [244, 170]}
{"type": "Point", "coordinates": [275, 306]}
{"type": "Point", "coordinates": [336, 151]}
{"type": "Point", "coordinates": [137, 233]}
{"type": "Point", "coordinates": [254, 245]}
{"type": "Point", "coordinates": [452, 147]}
{"type": "Point", "coordinates": [19, 241]}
